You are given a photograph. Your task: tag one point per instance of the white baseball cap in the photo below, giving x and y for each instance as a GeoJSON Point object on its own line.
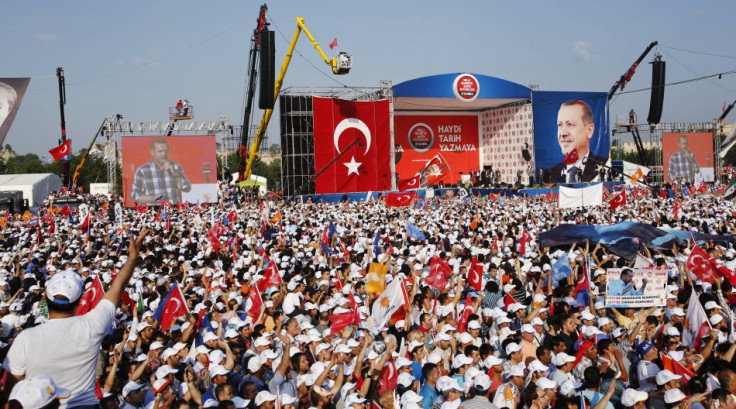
{"type": "Point", "coordinates": [461, 360]}
{"type": "Point", "coordinates": [67, 284]}
{"type": "Point", "coordinates": [665, 376]}
{"type": "Point", "coordinates": [354, 398]}
{"type": "Point", "coordinates": [264, 396]}
{"type": "Point", "coordinates": [127, 389]}
{"type": "Point", "coordinates": [512, 347]}
{"type": "Point", "coordinates": [482, 382]}
{"type": "Point", "coordinates": [545, 383]}
{"type": "Point", "coordinates": [631, 396]}
{"type": "Point", "coordinates": [673, 395]}
{"type": "Point", "coordinates": [37, 392]}
{"type": "Point", "coordinates": [562, 358]}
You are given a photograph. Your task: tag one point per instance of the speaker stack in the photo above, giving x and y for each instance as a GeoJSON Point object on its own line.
{"type": "Point", "coordinates": [657, 98]}
{"type": "Point", "coordinates": [266, 70]}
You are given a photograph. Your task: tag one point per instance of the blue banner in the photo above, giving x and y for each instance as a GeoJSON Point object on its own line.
{"type": "Point", "coordinates": [575, 132]}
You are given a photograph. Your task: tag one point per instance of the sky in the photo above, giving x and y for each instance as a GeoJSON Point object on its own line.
{"type": "Point", "coordinates": [138, 57]}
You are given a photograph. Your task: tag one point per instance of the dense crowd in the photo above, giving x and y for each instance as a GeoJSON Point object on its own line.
{"type": "Point", "coordinates": [259, 302]}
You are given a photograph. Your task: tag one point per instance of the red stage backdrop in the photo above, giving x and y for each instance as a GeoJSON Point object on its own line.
{"type": "Point", "coordinates": [195, 154]}
{"type": "Point", "coordinates": [421, 137]}
{"type": "Point", "coordinates": [363, 166]}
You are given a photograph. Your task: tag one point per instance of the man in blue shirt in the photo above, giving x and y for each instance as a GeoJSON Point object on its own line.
{"type": "Point", "coordinates": [624, 286]}
{"type": "Point", "coordinates": [431, 373]}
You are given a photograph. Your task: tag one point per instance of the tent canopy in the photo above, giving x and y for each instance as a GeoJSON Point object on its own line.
{"type": "Point", "coordinates": [35, 186]}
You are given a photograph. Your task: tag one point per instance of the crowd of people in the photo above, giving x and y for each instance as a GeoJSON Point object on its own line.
{"type": "Point", "coordinates": [257, 302]}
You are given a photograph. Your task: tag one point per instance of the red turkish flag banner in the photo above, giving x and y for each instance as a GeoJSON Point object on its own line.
{"type": "Point", "coordinates": [411, 183]}
{"type": "Point", "coordinates": [524, 240]}
{"type": "Point", "coordinates": [361, 166]}
{"type": "Point", "coordinates": [271, 277]}
{"type": "Point", "coordinates": [400, 199]}
{"type": "Point", "coordinates": [475, 275]}
{"type": "Point", "coordinates": [256, 301]}
{"type": "Point", "coordinates": [439, 270]}
{"type": "Point", "coordinates": [175, 307]}
{"type": "Point", "coordinates": [618, 200]}
{"type": "Point", "coordinates": [213, 236]}
{"type": "Point", "coordinates": [340, 321]}
{"type": "Point", "coordinates": [699, 264]}
{"type": "Point", "coordinates": [66, 211]}
{"type": "Point", "coordinates": [91, 297]}
{"type": "Point", "coordinates": [389, 376]}
{"type": "Point", "coordinates": [726, 273]}
{"type": "Point", "coordinates": [435, 170]}
{"type": "Point", "coordinates": [462, 324]}
{"type": "Point", "coordinates": [62, 150]}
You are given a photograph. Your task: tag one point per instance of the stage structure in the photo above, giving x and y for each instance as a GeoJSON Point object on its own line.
{"type": "Point", "coordinates": [447, 130]}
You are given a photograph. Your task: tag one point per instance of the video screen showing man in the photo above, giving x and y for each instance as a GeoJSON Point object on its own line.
{"type": "Point", "coordinates": [159, 179]}
{"type": "Point", "coordinates": [8, 97]}
{"type": "Point", "coordinates": [575, 128]}
{"type": "Point", "coordinates": [683, 164]}
{"type": "Point", "coordinates": [625, 286]}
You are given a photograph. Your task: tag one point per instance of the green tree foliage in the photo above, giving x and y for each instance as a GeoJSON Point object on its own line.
{"type": "Point", "coordinates": [270, 171]}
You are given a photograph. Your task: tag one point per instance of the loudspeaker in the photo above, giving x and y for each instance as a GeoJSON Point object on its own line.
{"type": "Point", "coordinates": [267, 70]}
{"type": "Point", "coordinates": [657, 99]}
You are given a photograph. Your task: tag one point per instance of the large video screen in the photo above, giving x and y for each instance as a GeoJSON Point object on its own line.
{"type": "Point", "coordinates": [688, 156]}
{"type": "Point", "coordinates": [419, 138]}
{"type": "Point", "coordinates": [567, 121]}
{"type": "Point", "coordinates": [173, 169]}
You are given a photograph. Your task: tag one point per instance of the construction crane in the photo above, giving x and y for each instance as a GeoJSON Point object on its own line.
{"type": "Point", "coordinates": [340, 65]}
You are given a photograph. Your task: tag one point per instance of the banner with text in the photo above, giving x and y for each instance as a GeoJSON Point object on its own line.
{"type": "Point", "coordinates": [173, 169]}
{"type": "Point", "coordinates": [11, 95]}
{"type": "Point", "coordinates": [419, 138]}
{"type": "Point", "coordinates": [636, 287]}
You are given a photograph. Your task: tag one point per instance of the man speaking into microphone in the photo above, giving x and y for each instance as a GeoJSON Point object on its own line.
{"type": "Point", "coordinates": [159, 179]}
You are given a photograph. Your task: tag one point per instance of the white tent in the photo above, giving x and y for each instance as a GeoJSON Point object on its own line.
{"type": "Point", "coordinates": [35, 186]}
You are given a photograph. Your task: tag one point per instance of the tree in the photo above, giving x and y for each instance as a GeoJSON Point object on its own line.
{"type": "Point", "coordinates": [274, 149]}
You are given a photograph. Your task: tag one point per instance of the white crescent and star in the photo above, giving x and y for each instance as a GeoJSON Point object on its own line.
{"type": "Point", "coordinates": [63, 149]}
{"type": "Point", "coordinates": [360, 126]}
{"type": "Point", "coordinates": [473, 278]}
{"type": "Point", "coordinates": [391, 370]}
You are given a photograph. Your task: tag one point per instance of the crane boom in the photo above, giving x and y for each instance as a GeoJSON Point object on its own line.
{"type": "Point", "coordinates": [340, 65]}
{"type": "Point", "coordinates": [621, 83]}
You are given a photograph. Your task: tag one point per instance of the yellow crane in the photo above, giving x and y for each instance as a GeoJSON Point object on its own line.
{"type": "Point", "coordinates": [340, 65]}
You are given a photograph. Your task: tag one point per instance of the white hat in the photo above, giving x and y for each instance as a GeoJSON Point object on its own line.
{"type": "Point", "coordinates": [128, 388]}
{"type": "Point", "coordinates": [241, 403]}
{"type": "Point", "coordinates": [715, 319]}
{"type": "Point", "coordinates": [586, 315]}
{"type": "Point", "coordinates": [537, 366]}
{"type": "Point", "coordinates": [155, 345]}
{"type": "Point", "coordinates": [665, 376]}
{"type": "Point", "coordinates": [254, 364]}
{"type": "Point", "coordinates": [262, 342]}
{"type": "Point", "coordinates": [405, 379]}
{"type": "Point", "coordinates": [673, 395]}
{"type": "Point", "coordinates": [66, 284]}
{"type": "Point", "coordinates": [343, 349]}
{"type": "Point", "coordinates": [450, 384]}
{"type": "Point", "coordinates": [631, 396]}
{"type": "Point", "coordinates": [492, 361]}
{"type": "Point", "coordinates": [218, 370]}
{"type": "Point", "coordinates": [461, 360]}
{"type": "Point", "coordinates": [209, 336]}
{"type": "Point", "coordinates": [473, 325]}
{"type": "Point", "coordinates": [264, 396]}
{"type": "Point", "coordinates": [165, 370]}
{"type": "Point", "coordinates": [450, 405]}
{"type": "Point", "coordinates": [562, 358]}
{"type": "Point", "coordinates": [537, 321]}
{"type": "Point", "coordinates": [410, 396]}
{"type": "Point", "coordinates": [569, 387]}
{"type": "Point", "coordinates": [354, 398]}
{"type": "Point", "coordinates": [599, 305]}
{"type": "Point", "coordinates": [711, 305]}
{"type": "Point", "coordinates": [482, 382]}
{"type": "Point", "coordinates": [37, 392]}
{"type": "Point", "coordinates": [465, 338]}
{"type": "Point", "coordinates": [512, 347]}
{"type": "Point", "coordinates": [402, 362]}
{"type": "Point", "coordinates": [517, 370]}
{"type": "Point", "coordinates": [619, 331]}
{"type": "Point", "coordinates": [677, 311]}
{"type": "Point", "coordinates": [672, 331]}
{"type": "Point", "coordinates": [528, 329]}
{"type": "Point", "coordinates": [603, 321]}
{"type": "Point", "coordinates": [544, 383]}
{"type": "Point", "coordinates": [210, 403]}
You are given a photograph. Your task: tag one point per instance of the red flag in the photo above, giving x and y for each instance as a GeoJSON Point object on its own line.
{"type": "Point", "coordinates": [583, 281]}
{"type": "Point", "coordinates": [439, 270]}
{"type": "Point", "coordinates": [340, 321]}
{"type": "Point", "coordinates": [676, 208]}
{"type": "Point", "coordinates": [271, 277]}
{"type": "Point", "coordinates": [550, 196]}
{"type": "Point", "coordinates": [495, 245]}
{"type": "Point", "coordinates": [213, 236]}
{"type": "Point", "coordinates": [125, 299]}
{"type": "Point", "coordinates": [66, 211]}
{"type": "Point", "coordinates": [400, 199]}
{"type": "Point", "coordinates": [62, 150]}
{"type": "Point", "coordinates": [91, 297]}
{"type": "Point", "coordinates": [362, 166]}
{"type": "Point", "coordinates": [411, 183]}
{"type": "Point", "coordinates": [462, 324]}
{"type": "Point", "coordinates": [345, 253]}
{"type": "Point", "coordinates": [725, 272]}
{"type": "Point", "coordinates": [699, 264]}
{"type": "Point", "coordinates": [618, 200]}
{"type": "Point", "coordinates": [508, 300]}
{"type": "Point", "coordinates": [232, 216]}
{"type": "Point", "coordinates": [435, 170]}
{"type": "Point", "coordinates": [181, 206]}
{"type": "Point", "coordinates": [255, 298]}
{"type": "Point", "coordinates": [475, 275]}
{"type": "Point", "coordinates": [333, 44]}
{"type": "Point", "coordinates": [389, 376]}
{"type": "Point", "coordinates": [174, 307]}
{"type": "Point", "coordinates": [84, 226]}
{"type": "Point", "coordinates": [571, 157]}
{"type": "Point", "coordinates": [676, 368]}
{"type": "Point", "coordinates": [141, 208]}
{"type": "Point", "coordinates": [524, 240]}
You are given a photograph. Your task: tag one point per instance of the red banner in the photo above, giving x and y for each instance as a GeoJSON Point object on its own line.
{"type": "Point", "coordinates": [363, 165]}
{"type": "Point", "coordinates": [420, 138]}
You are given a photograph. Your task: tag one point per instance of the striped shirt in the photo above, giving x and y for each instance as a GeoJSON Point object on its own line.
{"type": "Point", "coordinates": [683, 165]}
{"type": "Point", "coordinates": [149, 180]}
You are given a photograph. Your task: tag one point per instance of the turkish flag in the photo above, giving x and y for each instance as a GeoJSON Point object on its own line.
{"type": "Point", "coordinates": [232, 216]}
{"type": "Point", "coordinates": [361, 166]}
{"type": "Point", "coordinates": [676, 208]}
{"type": "Point", "coordinates": [676, 368]}
{"type": "Point", "coordinates": [333, 44]}
{"type": "Point", "coordinates": [475, 275]}
{"type": "Point", "coordinates": [65, 149]}
{"type": "Point", "coordinates": [508, 300]}
{"type": "Point", "coordinates": [462, 324]}
{"type": "Point", "coordinates": [213, 235]}
{"type": "Point", "coordinates": [389, 376]}
{"type": "Point", "coordinates": [571, 157]}
{"type": "Point", "coordinates": [65, 211]}
{"type": "Point", "coordinates": [172, 307]}
{"type": "Point", "coordinates": [411, 183]}
{"type": "Point", "coordinates": [271, 277]}
{"type": "Point", "coordinates": [725, 272]}
{"type": "Point", "coordinates": [400, 199]}
{"type": "Point", "coordinates": [524, 240]}
{"type": "Point", "coordinates": [439, 270]}
{"type": "Point", "coordinates": [256, 301]}
{"type": "Point", "coordinates": [90, 297]}
{"type": "Point", "coordinates": [699, 264]}
{"type": "Point", "coordinates": [125, 299]}
{"type": "Point", "coordinates": [340, 321]}
{"type": "Point", "coordinates": [435, 170]}
{"type": "Point", "coordinates": [618, 200]}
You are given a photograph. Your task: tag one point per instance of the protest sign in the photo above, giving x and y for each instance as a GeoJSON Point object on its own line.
{"type": "Point", "coordinates": [636, 287]}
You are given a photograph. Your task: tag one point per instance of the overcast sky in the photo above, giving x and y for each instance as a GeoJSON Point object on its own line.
{"type": "Point", "coordinates": [137, 58]}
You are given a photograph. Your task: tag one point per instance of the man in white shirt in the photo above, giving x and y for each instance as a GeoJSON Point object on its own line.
{"type": "Point", "coordinates": [66, 347]}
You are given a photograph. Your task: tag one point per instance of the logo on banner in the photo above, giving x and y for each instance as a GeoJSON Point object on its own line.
{"type": "Point", "coordinates": [421, 138]}
{"type": "Point", "coordinates": [466, 87]}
